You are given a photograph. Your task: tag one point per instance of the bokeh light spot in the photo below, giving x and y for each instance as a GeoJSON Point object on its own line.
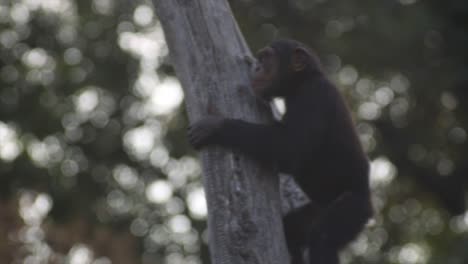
{"type": "Point", "coordinates": [139, 227]}
{"type": "Point", "coordinates": [143, 15]}
{"type": "Point", "coordinates": [20, 13]}
{"type": "Point", "coordinates": [72, 56]}
{"type": "Point", "coordinates": [280, 105]}
{"type": "Point", "coordinates": [448, 100]}
{"type": "Point", "coordinates": [166, 97]}
{"type": "Point", "coordinates": [87, 100]}
{"type": "Point", "coordinates": [159, 157]}
{"type": "Point", "coordinates": [382, 172]}
{"type": "Point", "coordinates": [457, 135]}
{"type": "Point", "coordinates": [364, 87]}
{"type": "Point", "coordinates": [399, 83]}
{"type": "Point", "coordinates": [80, 254]}
{"type": "Point", "coordinates": [159, 191]}
{"type": "Point", "coordinates": [369, 111]}
{"type": "Point", "coordinates": [141, 140]}
{"type": "Point", "coordinates": [412, 254]}
{"type": "Point", "coordinates": [180, 224]}
{"type": "Point", "coordinates": [445, 167]}
{"type": "Point", "coordinates": [10, 145]}
{"type": "Point", "coordinates": [104, 7]}
{"type": "Point", "coordinates": [196, 202]}
{"type": "Point", "coordinates": [35, 58]}
{"type": "Point", "coordinates": [34, 207]}
{"type": "Point", "coordinates": [348, 75]}
{"type": "Point", "coordinates": [126, 177]}
{"type": "Point", "coordinates": [384, 96]}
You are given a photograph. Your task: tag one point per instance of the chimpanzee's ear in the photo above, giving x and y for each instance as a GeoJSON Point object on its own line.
{"type": "Point", "coordinates": [299, 59]}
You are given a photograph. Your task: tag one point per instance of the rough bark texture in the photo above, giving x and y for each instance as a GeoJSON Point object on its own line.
{"type": "Point", "coordinates": [207, 50]}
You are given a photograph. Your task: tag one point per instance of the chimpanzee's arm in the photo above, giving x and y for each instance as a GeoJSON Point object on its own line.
{"type": "Point", "coordinates": [261, 141]}
{"type": "Point", "coordinates": [287, 143]}
{"type": "Point", "coordinates": [266, 142]}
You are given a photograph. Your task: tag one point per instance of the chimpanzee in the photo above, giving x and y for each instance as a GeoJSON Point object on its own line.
{"type": "Point", "coordinates": [315, 142]}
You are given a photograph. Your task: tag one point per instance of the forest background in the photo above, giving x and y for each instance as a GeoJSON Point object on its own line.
{"type": "Point", "coordinates": [95, 166]}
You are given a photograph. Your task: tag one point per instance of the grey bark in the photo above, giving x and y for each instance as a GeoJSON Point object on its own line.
{"type": "Point", "coordinates": [207, 50]}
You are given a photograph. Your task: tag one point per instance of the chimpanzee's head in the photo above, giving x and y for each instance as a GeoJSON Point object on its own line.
{"type": "Point", "coordinates": [281, 67]}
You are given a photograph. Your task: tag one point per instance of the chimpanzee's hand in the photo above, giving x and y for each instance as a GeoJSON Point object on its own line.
{"type": "Point", "coordinates": [202, 132]}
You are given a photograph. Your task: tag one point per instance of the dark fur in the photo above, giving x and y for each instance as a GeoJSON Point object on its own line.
{"type": "Point", "coordinates": [316, 143]}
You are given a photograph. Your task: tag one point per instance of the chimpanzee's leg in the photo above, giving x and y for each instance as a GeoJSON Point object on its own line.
{"type": "Point", "coordinates": [338, 225]}
{"type": "Point", "coordinates": [296, 225]}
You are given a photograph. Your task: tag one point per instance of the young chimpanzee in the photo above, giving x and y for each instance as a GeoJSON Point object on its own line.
{"type": "Point", "coordinates": [315, 142]}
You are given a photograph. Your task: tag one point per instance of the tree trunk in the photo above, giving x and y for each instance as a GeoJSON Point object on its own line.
{"type": "Point", "coordinates": [207, 50]}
